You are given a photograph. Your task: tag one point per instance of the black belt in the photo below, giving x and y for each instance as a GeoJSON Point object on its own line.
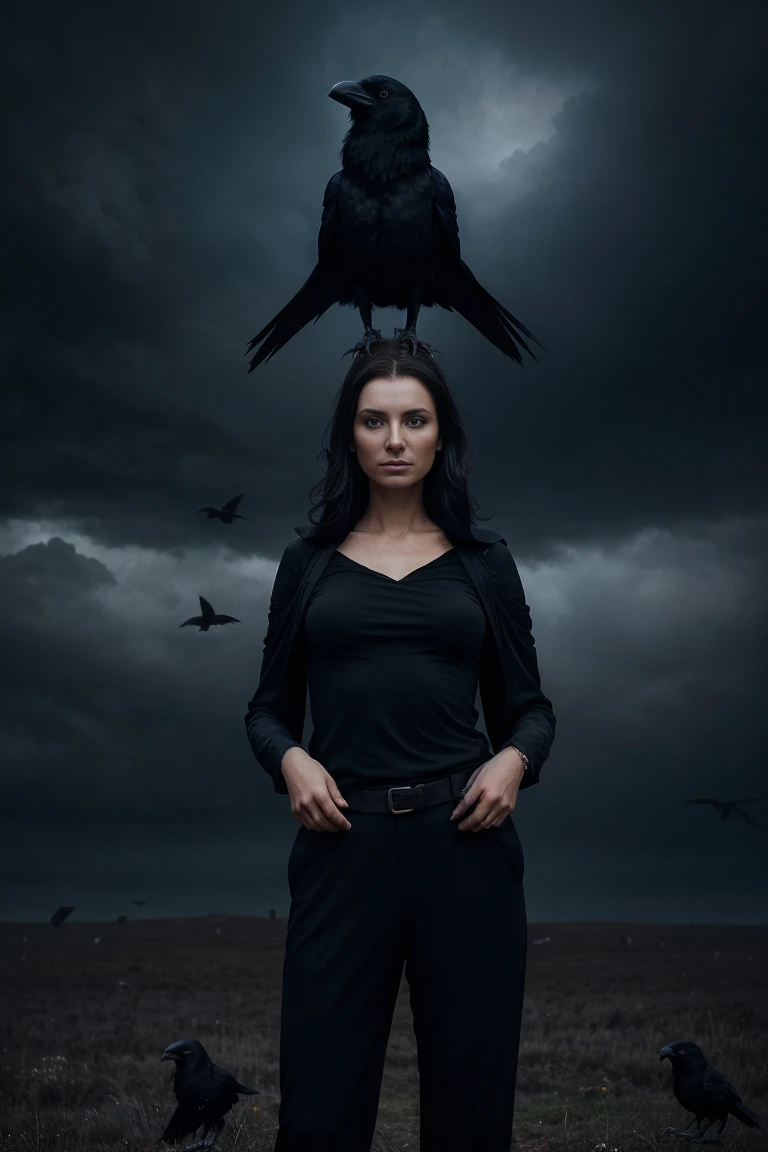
{"type": "Point", "coordinates": [407, 797]}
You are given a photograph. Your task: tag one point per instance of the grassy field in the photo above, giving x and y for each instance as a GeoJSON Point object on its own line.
{"type": "Point", "coordinates": [81, 1051]}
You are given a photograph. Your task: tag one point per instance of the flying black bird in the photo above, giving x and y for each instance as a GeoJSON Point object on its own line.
{"type": "Point", "coordinates": [703, 1091]}
{"type": "Point", "coordinates": [204, 1092]}
{"type": "Point", "coordinates": [208, 617]}
{"type": "Point", "coordinates": [727, 806]}
{"type": "Point", "coordinates": [227, 512]}
{"type": "Point", "coordinates": [142, 902]}
{"type": "Point", "coordinates": [60, 915]}
{"type": "Point", "coordinates": [389, 236]}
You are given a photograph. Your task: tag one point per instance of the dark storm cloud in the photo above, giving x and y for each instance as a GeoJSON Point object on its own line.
{"type": "Point", "coordinates": [123, 745]}
{"type": "Point", "coordinates": [109, 704]}
{"type": "Point", "coordinates": [166, 198]}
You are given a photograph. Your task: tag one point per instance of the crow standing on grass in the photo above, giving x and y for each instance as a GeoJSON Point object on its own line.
{"type": "Point", "coordinates": [205, 1093]}
{"type": "Point", "coordinates": [703, 1091]}
{"type": "Point", "coordinates": [389, 236]}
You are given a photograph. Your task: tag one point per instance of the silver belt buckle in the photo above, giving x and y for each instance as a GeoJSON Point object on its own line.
{"type": "Point", "coordinates": [397, 788]}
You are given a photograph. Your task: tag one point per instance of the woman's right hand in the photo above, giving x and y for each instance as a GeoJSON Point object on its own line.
{"type": "Point", "coordinates": [313, 792]}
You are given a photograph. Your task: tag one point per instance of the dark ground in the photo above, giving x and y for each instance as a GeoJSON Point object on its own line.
{"type": "Point", "coordinates": [81, 1054]}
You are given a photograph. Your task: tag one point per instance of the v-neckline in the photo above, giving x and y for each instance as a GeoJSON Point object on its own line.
{"type": "Point", "coordinates": [392, 578]}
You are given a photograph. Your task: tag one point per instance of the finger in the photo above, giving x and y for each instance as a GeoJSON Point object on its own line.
{"type": "Point", "coordinates": [466, 803]}
{"type": "Point", "coordinates": [336, 820]}
{"type": "Point", "coordinates": [486, 811]}
{"type": "Point", "coordinates": [313, 816]}
{"type": "Point", "coordinates": [469, 794]}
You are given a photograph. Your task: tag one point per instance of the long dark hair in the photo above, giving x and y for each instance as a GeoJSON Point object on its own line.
{"type": "Point", "coordinates": [343, 492]}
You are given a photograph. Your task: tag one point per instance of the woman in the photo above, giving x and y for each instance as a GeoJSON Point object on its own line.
{"type": "Point", "coordinates": [391, 609]}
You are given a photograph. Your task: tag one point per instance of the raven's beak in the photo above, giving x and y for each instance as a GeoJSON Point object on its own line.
{"type": "Point", "coordinates": [351, 94]}
{"type": "Point", "coordinates": [166, 1056]}
{"type": "Point", "coordinates": [666, 1053]}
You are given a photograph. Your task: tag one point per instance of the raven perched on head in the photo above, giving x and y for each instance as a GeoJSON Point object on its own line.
{"type": "Point", "coordinates": [389, 236]}
{"type": "Point", "coordinates": [205, 1093]}
{"type": "Point", "coordinates": [703, 1091]}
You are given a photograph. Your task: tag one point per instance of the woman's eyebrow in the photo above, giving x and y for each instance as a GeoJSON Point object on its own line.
{"type": "Point", "coordinates": [378, 411]}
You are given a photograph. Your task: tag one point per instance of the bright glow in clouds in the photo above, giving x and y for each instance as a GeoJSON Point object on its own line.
{"type": "Point", "coordinates": [480, 108]}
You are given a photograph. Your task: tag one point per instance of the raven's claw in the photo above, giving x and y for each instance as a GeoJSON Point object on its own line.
{"type": "Point", "coordinates": [408, 336]}
{"type": "Point", "coordinates": [370, 335]}
{"type": "Point", "coordinates": [208, 1142]}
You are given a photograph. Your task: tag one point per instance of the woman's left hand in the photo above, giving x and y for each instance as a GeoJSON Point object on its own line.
{"type": "Point", "coordinates": [494, 786]}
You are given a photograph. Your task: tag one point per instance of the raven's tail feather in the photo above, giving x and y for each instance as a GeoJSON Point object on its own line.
{"type": "Point", "coordinates": [456, 287]}
{"type": "Point", "coordinates": [745, 1115]}
{"type": "Point", "coordinates": [314, 298]}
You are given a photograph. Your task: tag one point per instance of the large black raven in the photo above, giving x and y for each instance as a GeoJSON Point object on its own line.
{"type": "Point", "coordinates": [208, 617]}
{"type": "Point", "coordinates": [703, 1091]}
{"type": "Point", "coordinates": [205, 1093]}
{"type": "Point", "coordinates": [389, 236]}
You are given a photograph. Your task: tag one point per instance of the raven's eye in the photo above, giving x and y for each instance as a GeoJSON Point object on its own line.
{"type": "Point", "coordinates": [383, 93]}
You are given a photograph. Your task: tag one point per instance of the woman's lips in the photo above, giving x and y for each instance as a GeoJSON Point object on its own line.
{"type": "Point", "coordinates": [395, 466]}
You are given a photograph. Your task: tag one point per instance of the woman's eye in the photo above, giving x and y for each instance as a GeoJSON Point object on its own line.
{"type": "Point", "coordinates": [367, 425]}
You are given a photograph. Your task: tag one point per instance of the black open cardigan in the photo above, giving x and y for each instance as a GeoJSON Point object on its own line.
{"type": "Point", "coordinates": [515, 709]}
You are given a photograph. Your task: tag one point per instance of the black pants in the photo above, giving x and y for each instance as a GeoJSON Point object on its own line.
{"type": "Point", "coordinates": [391, 890]}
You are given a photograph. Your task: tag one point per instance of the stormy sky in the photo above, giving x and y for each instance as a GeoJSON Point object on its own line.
{"type": "Point", "coordinates": [164, 177]}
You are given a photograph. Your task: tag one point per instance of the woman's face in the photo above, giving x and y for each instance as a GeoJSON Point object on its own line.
{"type": "Point", "coordinates": [396, 420]}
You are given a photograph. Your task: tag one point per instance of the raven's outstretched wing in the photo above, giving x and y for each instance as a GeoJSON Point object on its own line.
{"type": "Point", "coordinates": [226, 620]}
{"type": "Point", "coordinates": [232, 504]}
{"type": "Point", "coordinates": [457, 288]}
{"type": "Point", "coordinates": [316, 295]}
{"type": "Point", "coordinates": [207, 609]}
{"type": "Point", "coordinates": [192, 620]}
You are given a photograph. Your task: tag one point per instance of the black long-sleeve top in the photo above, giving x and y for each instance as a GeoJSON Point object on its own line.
{"type": "Point", "coordinates": [515, 709]}
{"type": "Point", "coordinates": [392, 669]}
